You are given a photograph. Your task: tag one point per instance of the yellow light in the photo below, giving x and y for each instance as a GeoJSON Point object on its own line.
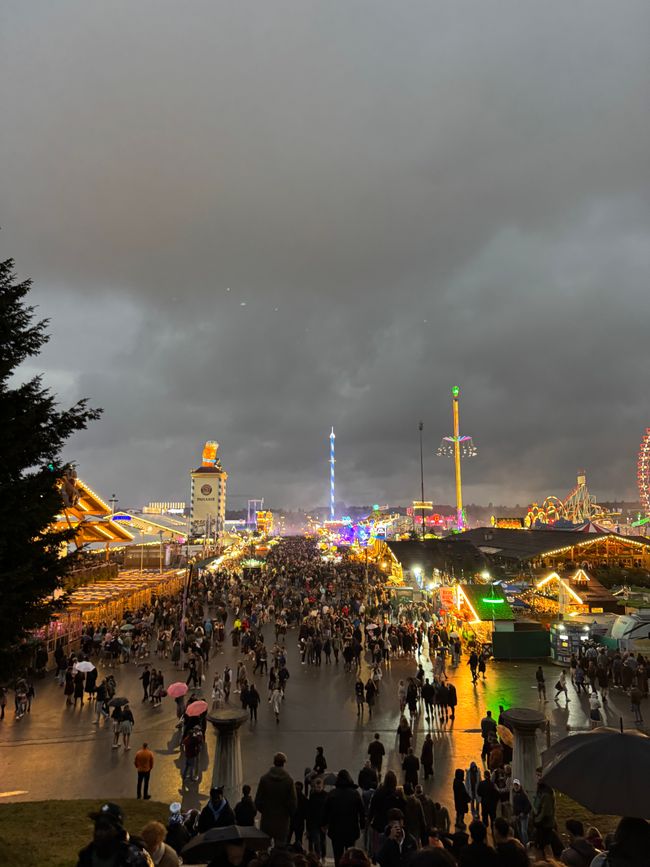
{"type": "Point", "coordinates": [462, 593]}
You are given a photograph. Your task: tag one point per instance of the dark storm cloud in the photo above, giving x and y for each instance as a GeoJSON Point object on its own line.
{"type": "Point", "coordinates": [399, 196]}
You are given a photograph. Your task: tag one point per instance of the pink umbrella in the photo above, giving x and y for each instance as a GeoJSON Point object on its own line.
{"type": "Point", "coordinates": [196, 708]}
{"type": "Point", "coordinates": [176, 690]}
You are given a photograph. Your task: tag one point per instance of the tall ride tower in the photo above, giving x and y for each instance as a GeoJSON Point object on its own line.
{"type": "Point", "coordinates": [332, 461]}
{"type": "Point", "coordinates": [457, 446]}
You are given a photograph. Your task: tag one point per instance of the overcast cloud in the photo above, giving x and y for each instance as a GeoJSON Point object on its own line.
{"type": "Point", "coordinates": [250, 221]}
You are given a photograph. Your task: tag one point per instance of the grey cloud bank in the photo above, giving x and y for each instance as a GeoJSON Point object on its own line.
{"type": "Point", "coordinates": [405, 196]}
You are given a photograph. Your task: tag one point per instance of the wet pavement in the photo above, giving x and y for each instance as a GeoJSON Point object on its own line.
{"type": "Point", "coordinates": [56, 752]}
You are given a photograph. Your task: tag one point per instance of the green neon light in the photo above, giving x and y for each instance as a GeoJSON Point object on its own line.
{"type": "Point", "coordinates": [455, 391]}
{"type": "Point", "coordinates": [494, 601]}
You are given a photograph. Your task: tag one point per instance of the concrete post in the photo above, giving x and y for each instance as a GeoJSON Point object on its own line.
{"type": "Point", "coordinates": [524, 723]}
{"type": "Point", "coordinates": [227, 768]}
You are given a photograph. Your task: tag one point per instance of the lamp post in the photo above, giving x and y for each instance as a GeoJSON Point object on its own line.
{"type": "Point", "coordinates": [421, 428]}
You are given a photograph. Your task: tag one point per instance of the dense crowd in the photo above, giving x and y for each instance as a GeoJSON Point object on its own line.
{"type": "Point", "coordinates": [342, 616]}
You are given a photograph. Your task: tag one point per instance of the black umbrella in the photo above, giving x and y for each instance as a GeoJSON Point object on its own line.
{"type": "Point", "coordinates": [605, 770]}
{"type": "Point", "coordinates": [204, 847]}
{"type": "Point", "coordinates": [118, 702]}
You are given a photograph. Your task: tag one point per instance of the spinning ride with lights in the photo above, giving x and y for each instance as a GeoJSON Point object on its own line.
{"type": "Point", "coordinates": [457, 446]}
{"type": "Point", "coordinates": [643, 472]}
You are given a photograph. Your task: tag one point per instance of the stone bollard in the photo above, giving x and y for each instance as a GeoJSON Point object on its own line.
{"type": "Point", "coordinates": [227, 767]}
{"type": "Point", "coordinates": [524, 723]}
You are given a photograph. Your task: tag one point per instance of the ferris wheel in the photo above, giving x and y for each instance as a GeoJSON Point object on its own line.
{"type": "Point", "coordinates": [643, 471]}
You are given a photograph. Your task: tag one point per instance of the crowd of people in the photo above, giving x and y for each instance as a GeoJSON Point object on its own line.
{"type": "Point", "coordinates": [343, 619]}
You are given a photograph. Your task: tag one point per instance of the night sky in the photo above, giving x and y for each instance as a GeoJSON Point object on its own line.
{"type": "Point", "coordinates": [249, 221]}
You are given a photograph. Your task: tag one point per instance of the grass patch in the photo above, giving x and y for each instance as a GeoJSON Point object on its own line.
{"type": "Point", "coordinates": [565, 809]}
{"type": "Point", "coordinates": [51, 833]}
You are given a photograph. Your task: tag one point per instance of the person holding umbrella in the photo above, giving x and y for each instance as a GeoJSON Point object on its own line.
{"type": "Point", "coordinates": [228, 846]}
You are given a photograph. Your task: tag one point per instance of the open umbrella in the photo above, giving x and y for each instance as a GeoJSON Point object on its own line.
{"type": "Point", "coordinates": [176, 690]}
{"type": "Point", "coordinates": [505, 736]}
{"type": "Point", "coordinates": [119, 701]}
{"type": "Point", "coordinates": [84, 666]}
{"type": "Point", "coordinates": [196, 708]}
{"type": "Point", "coordinates": [205, 846]}
{"type": "Point", "coordinates": [605, 770]}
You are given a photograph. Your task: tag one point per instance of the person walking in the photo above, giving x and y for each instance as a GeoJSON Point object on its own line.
{"type": "Point", "coordinates": [78, 694]}
{"type": "Point", "coordinates": [276, 702]}
{"type": "Point", "coordinates": [343, 815]}
{"type": "Point", "coordinates": [253, 700]}
{"type": "Point", "coordinates": [145, 677]}
{"type": "Point", "coordinates": [426, 756]}
{"type": "Point", "coordinates": [276, 800]}
{"type": "Point", "coordinates": [488, 732]}
{"type": "Point", "coordinates": [360, 696]}
{"type": "Point", "coordinates": [461, 798]}
{"type": "Point", "coordinates": [376, 752]}
{"type": "Point", "coordinates": [635, 701]}
{"type": "Point", "coordinates": [192, 744]}
{"type": "Point", "coordinates": [371, 692]}
{"type": "Point", "coordinates": [595, 716]}
{"type": "Point", "coordinates": [245, 810]}
{"type": "Point", "coordinates": [452, 699]}
{"type": "Point", "coordinates": [144, 765]}
{"type": "Point", "coordinates": [473, 665]}
{"type": "Point", "coordinates": [411, 768]}
{"type": "Point", "coordinates": [404, 736]}
{"type": "Point", "coordinates": [126, 726]}
{"type": "Point", "coordinates": [561, 686]}
{"type": "Point", "coordinates": [488, 799]}
{"type": "Point", "coordinates": [541, 683]}
{"type": "Point", "coordinates": [315, 824]}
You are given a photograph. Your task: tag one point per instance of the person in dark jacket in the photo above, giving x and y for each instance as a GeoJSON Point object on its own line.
{"type": "Point", "coordinates": [452, 700]}
{"type": "Point", "coordinates": [299, 818]}
{"type": "Point", "coordinates": [217, 813]}
{"type": "Point", "coordinates": [461, 798]}
{"type": "Point", "coordinates": [315, 812]}
{"type": "Point", "coordinates": [488, 798]}
{"type": "Point", "coordinates": [385, 798]}
{"type": "Point", "coordinates": [343, 815]}
{"type": "Point", "coordinates": [276, 800]}
{"type": "Point", "coordinates": [414, 821]}
{"type": "Point", "coordinates": [426, 756]}
{"type": "Point", "coordinates": [411, 768]}
{"type": "Point", "coordinates": [478, 853]}
{"type": "Point", "coordinates": [245, 810]}
{"type": "Point", "coordinates": [511, 852]}
{"type": "Point", "coordinates": [111, 843]}
{"type": "Point", "coordinates": [368, 777]}
{"type": "Point", "coordinates": [397, 847]}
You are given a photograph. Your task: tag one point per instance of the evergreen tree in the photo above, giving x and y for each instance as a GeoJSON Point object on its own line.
{"type": "Point", "coordinates": [33, 431]}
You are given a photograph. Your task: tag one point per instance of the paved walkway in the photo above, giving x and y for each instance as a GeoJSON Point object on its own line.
{"type": "Point", "coordinates": [55, 752]}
